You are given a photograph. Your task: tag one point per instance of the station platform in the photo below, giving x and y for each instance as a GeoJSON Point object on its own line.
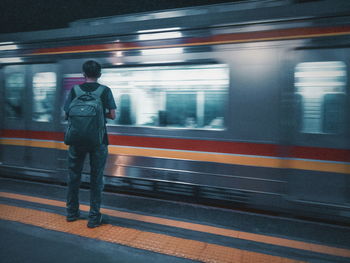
{"type": "Point", "coordinates": [34, 229]}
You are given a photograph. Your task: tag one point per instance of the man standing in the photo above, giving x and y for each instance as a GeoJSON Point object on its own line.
{"type": "Point", "coordinates": [97, 153]}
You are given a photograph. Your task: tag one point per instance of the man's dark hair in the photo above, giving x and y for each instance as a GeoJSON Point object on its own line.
{"type": "Point", "coordinates": [92, 69]}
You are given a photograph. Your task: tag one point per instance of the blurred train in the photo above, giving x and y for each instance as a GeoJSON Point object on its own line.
{"type": "Point", "coordinates": [242, 104]}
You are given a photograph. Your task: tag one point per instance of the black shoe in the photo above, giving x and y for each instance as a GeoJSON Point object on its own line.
{"type": "Point", "coordinates": [96, 223]}
{"type": "Point", "coordinates": [74, 217]}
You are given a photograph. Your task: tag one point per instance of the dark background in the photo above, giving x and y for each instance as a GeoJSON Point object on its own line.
{"type": "Point", "coordinates": [29, 15]}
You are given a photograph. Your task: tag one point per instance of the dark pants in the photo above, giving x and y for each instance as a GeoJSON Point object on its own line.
{"type": "Point", "coordinates": [76, 157]}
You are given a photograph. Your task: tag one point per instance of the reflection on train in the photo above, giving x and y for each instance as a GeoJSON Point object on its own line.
{"type": "Point", "coordinates": [248, 108]}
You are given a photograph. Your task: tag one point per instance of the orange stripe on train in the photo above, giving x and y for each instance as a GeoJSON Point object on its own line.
{"type": "Point", "coordinates": [267, 35]}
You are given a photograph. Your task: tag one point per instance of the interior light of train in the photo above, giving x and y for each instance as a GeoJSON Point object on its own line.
{"type": "Point", "coordinates": [159, 34]}
{"type": "Point", "coordinates": [320, 74]}
{"type": "Point", "coordinates": [162, 51]}
{"type": "Point", "coordinates": [168, 14]}
{"type": "Point", "coordinates": [158, 30]}
{"type": "Point", "coordinates": [11, 60]}
{"type": "Point", "coordinates": [163, 62]}
{"type": "Point", "coordinates": [4, 46]}
{"type": "Point", "coordinates": [319, 84]}
{"type": "Point", "coordinates": [183, 83]}
{"type": "Point", "coordinates": [118, 53]}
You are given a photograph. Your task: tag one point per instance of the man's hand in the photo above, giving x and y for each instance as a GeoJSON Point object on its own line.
{"type": "Point", "coordinates": [111, 114]}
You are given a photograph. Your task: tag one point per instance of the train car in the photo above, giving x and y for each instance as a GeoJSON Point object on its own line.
{"type": "Point", "coordinates": [242, 104]}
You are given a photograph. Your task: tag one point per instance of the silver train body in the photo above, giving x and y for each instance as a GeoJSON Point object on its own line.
{"type": "Point", "coordinates": [239, 105]}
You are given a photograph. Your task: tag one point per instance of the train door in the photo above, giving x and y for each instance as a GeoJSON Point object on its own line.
{"type": "Point", "coordinates": [14, 116]}
{"type": "Point", "coordinates": [43, 119]}
{"type": "Point", "coordinates": [320, 140]}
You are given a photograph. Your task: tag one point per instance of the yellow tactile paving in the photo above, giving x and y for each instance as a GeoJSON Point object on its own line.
{"type": "Point", "coordinates": [180, 247]}
{"type": "Point", "coordinates": [284, 242]}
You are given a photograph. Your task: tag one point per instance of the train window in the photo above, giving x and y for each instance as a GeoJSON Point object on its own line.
{"type": "Point", "coordinates": [14, 95]}
{"type": "Point", "coordinates": [44, 87]}
{"type": "Point", "coordinates": [320, 87]}
{"type": "Point", "coordinates": [186, 96]}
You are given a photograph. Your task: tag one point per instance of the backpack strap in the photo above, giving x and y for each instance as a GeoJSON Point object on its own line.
{"type": "Point", "coordinates": [78, 91]}
{"type": "Point", "coordinates": [98, 92]}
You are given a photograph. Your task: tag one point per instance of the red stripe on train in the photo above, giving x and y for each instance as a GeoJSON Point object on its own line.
{"type": "Point", "coordinates": [273, 150]}
{"type": "Point", "coordinates": [328, 154]}
{"type": "Point", "coordinates": [27, 134]}
{"type": "Point", "coordinates": [196, 145]}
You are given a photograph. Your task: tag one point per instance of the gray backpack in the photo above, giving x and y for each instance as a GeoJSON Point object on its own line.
{"type": "Point", "coordinates": [86, 120]}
